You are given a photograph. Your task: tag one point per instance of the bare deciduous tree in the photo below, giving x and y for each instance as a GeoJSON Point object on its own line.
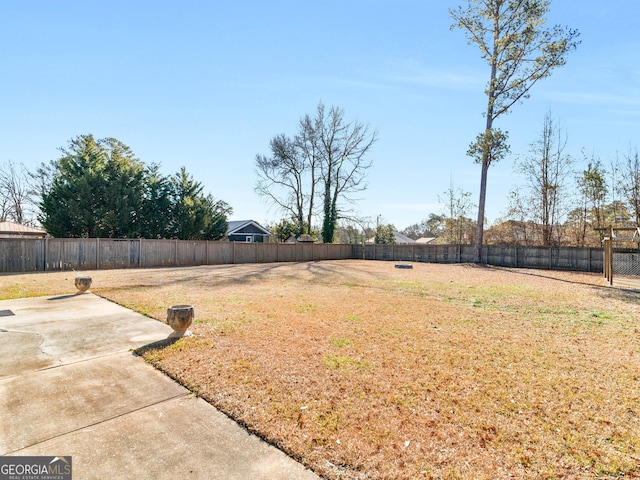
{"type": "Point", "coordinates": [344, 146]}
{"type": "Point", "coordinates": [16, 197]}
{"type": "Point", "coordinates": [326, 158]}
{"type": "Point", "coordinates": [547, 170]}
{"type": "Point", "coordinates": [283, 179]}
{"type": "Point", "coordinates": [457, 226]}
{"type": "Point", "coordinates": [631, 182]}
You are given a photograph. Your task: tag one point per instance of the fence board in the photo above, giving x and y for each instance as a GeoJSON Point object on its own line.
{"type": "Point", "coordinates": [157, 253]}
{"type": "Point", "coordinates": [287, 252]}
{"type": "Point", "coordinates": [220, 253]}
{"type": "Point", "coordinates": [245, 253]}
{"type": "Point", "coordinates": [14, 257]}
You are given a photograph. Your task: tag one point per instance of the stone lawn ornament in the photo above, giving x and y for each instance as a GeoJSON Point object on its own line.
{"type": "Point", "coordinates": [83, 283]}
{"type": "Point", "coordinates": [179, 317]}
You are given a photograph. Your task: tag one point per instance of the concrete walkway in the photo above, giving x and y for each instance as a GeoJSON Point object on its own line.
{"type": "Point", "coordinates": [70, 385]}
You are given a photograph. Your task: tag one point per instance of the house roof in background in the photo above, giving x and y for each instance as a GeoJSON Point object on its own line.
{"type": "Point", "coordinates": [304, 238]}
{"type": "Point", "coordinates": [17, 230]}
{"type": "Point", "coordinates": [400, 238]}
{"type": "Point", "coordinates": [427, 240]}
{"type": "Point", "coordinates": [235, 225]}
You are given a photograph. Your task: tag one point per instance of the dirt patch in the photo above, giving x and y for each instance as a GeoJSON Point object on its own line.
{"type": "Point", "coordinates": [360, 370]}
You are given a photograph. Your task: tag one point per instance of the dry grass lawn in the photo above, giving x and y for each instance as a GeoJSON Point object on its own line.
{"type": "Point", "coordinates": [363, 371]}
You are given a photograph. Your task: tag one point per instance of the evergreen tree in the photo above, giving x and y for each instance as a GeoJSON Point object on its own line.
{"type": "Point", "coordinates": [519, 52]}
{"type": "Point", "coordinates": [97, 188]}
{"type": "Point", "coordinates": [195, 215]}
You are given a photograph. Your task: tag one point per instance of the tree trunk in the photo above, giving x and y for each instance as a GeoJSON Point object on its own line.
{"type": "Point", "coordinates": [327, 232]}
{"type": "Point", "coordinates": [477, 254]}
{"type": "Point", "coordinates": [486, 154]}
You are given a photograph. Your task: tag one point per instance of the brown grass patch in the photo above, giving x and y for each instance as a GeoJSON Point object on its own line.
{"type": "Point", "coordinates": [360, 370]}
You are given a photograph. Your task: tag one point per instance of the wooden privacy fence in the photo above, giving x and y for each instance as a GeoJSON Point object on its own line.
{"type": "Point", "coordinates": [53, 254]}
{"type": "Point", "coordinates": [552, 258]}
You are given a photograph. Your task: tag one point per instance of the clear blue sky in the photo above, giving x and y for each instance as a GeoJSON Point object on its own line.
{"type": "Point", "coordinates": [207, 84]}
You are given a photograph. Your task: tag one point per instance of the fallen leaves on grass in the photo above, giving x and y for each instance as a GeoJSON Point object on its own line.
{"type": "Point", "coordinates": [363, 371]}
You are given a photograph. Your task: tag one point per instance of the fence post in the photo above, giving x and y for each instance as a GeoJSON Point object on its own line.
{"type": "Point", "coordinates": [610, 252]}
{"type": "Point", "coordinates": [610, 255]}
{"type": "Point", "coordinates": [609, 260]}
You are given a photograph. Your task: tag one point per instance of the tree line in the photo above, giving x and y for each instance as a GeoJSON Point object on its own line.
{"type": "Point", "coordinates": [559, 200]}
{"type": "Point", "coordinates": [568, 201]}
{"type": "Point", "coordinates": [98, 188]}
